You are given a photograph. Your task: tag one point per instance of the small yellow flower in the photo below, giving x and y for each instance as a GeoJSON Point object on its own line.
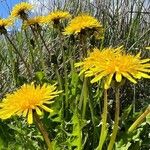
{"type": "Point", "coordinates": [26, 100]}
{"type": "Point", "coordinates": [56, 16]}
{"type": "Point", "coordinates": [5, 23]}
{"type": "Point", "coordinates": [34, 21]}
{"type": "Point", "coordinates": [20, 10]}
{"type": "Point", "coordinates": [84, 23]}
{"type": "Point", "coordinates": [112, 64]}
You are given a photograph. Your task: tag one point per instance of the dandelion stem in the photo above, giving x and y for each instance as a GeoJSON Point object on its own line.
{"type": "Point", "coordinates": [85, 80]}
{"type": "Point", "coordinates": [39, 48]}
{"type": "Point", "coordinates": [117, 111]}
{"type": "Point", "coordinates": [21, 57]}
{"type": "Point", "coordinates": [64, 57]}
{"type": "Point", "coordinates": [32, 60]}
{"type": "Point", "coordinates": [41, 128]}
{"type": "Point", "coordinates": [139, 120]}
{"type": "Point", "coordinates": [103, 133]}
{"type": "Point", "coordinates": [42, 39]}
{"type": "Point", "coordinates": [85, 96]}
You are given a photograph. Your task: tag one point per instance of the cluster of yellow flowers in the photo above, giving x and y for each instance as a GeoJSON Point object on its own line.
{"type": "Point", "coordinates": [77, 25]}
{"type": "Point", "coordinates": [108, 64]}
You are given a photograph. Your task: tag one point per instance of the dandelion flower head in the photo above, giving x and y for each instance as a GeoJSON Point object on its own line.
{"type": "Point", "coordinates": [27, 99]}
{"type": "Point", "coordinates": [5, 22]}
{"type": "Point", "coordinates": [35, 20]}
{"type": "Point", "coordinates": [56, 16]}
{"type": "Point", "coordinates": [82, 23]}
{"type": "Point", "coordinates": [113, 64]}
{"type": "Point", "coordinates": [20, 10]}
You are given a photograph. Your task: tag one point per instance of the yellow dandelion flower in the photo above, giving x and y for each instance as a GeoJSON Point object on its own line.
{"type": "Point", "coordinates": [5, 23]}
{"type": "Point", "coordinates": [35, 21]}
{"type": "Point", "coordinates": [56, 16]}
{"type": "Point", "coordinates": [112, 64]}
{"type": "Point", "coordinates": [27, 99]}
{"type": "Point", "coordinates": [84, 23]}
{"type": "Point", "coordinates": [20, 10]}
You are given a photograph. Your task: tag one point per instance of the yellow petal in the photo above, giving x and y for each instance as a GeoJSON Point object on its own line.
{"type": "Point", "coordinates": [24, 114]}
{"type": "Point", "coordinates": [108, 81]}
{"type": "Point", "coordinates": [144, 75]}
{"type": "Point", "coordinates": [78, 64]}
{"type": "Point", "coordinates": [118, 77]}
{"type": "Point", "coordinates": [89, 73]}
{"type": "Point", "coordinates": [136, 75]}
{"type": "Point", "coordinates": [129, 77]}
{"type": "Point", "coordinates": [138, 55]}
{"type": "Point", "coordinates": [82, 71]}
{"type": "Point", "coordinates": [145, 60]}
{"type": "Point", "coordinates": [1, 105]}
{"type": "Point", "coordinates": [5, 115]}
{"type": "Point", "coordinates": [38, 111]}
{"type": "Point", "coordinates": [46, 108]}
{"type": "Point", "coordinates": [19, 113]}
{"type": "Point", "coordinates": [30, 117]}
{"type": "Point", "coordinates": [48, 102]}
{"type": "Point", "coordinates": [144, 70]}
{"type": "Point", "coordinates": [98, 77]}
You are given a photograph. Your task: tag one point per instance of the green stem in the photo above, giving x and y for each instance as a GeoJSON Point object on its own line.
{"type": "Point", "coordinates": [64, 57]}
{"type": "Point", "coordinates": [11, 62]}
{"type": "Point", "coordinates": [85, 96]}
{"type": "Point", "coordinates": [41, 128]}
{"type": "Point", "coordinates": [66, 79]}
{"type": "Point", "coordinates": [39, 48]}
{"type": "Point", "coordinates": [19, 54]}
{"type": "Point", "coordinates": [115, 128]}
{"type": "Point", "coordinates": [139, 120]}
{"type": "Point", "coordinates": [59, 79]}
{"type": "Point", "coordinates": [103, 133]}
{"type": "Point", "coordinates": [85, 80]}
{"type": "Point", "coordinates": [42, 39]}
{"type": "Point", "coordinates": [133, 103]}
{"type": "Point", "coordinates": [31, 58]}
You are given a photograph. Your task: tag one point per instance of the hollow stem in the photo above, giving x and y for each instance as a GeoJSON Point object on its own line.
{"type": "Point", "coordinates": [103, 133]}
{"type": "Point", "coordinates": [139, 120]}
{"type": "Point", "coordinates": [115, 128]}
{"type": "Point", "coordinates": [41, 128]}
